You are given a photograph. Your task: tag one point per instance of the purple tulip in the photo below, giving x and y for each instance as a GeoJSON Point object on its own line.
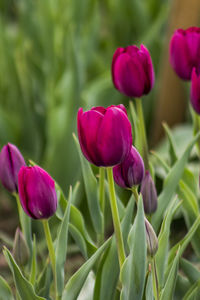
{"type": "Point", "coordinates": [149, 194]}
{"type": "Point", "coordinates": [195, 91]}
{"type": "Point", "coordinates": [131, 171]}
{"type": "Point", "coordinates": [104, 135]}
{"type": "Point", "coordinates": [184, 51]}
{"type": "Point", "coordinates": [132, 71]}
{"type": "Point", "coordinates": [37, 192]}
{"type": "Point", "coordinates": [11, 161]}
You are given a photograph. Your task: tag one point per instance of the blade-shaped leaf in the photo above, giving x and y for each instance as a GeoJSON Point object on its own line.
{"type": "Point", "coordinates": [75, 283]}
{"type": "Point", "coordinates": [171, 182]}
{"type": "Point", "coordinates": [23, 286]}
{"type": "Point", "coordinates": [61, 247]}
{"type": "Point", "coordinates": [91, 188]}
{"type": "Point", "coordinates": [192, 273]}
{"type": "Point", "coordinates": [5, 290]}
{"type": "Point", "coordinates": [134, 269]}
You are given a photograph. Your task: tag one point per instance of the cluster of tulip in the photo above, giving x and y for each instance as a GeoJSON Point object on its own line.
{"type": "Point", "coordinates": [105, 137]}
{"type": "Point", "coordinates": [185, 60]}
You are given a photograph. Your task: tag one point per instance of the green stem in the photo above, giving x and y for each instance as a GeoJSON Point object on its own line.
{"type": "Point", "coordinates": [115, 217]}
{"type": "Point", "coordinates": [155, 279]}
{"type": "Point", "coordinates": [142, 132]}
{"type": "Point", "coordinates": [102, 200]}
{"type": "Point", "coordinates": [135, 193]}
{"type": "Point", "coordinates": [51, 251]}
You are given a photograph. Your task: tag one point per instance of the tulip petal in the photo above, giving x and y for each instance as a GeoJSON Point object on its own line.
{"type": "Point", "coordinates": [129, 75]}
{"type": "Point", "coordinates": [114, 137]}
{"type": "Point", "coordinates": [119, 176]}
{"type": "Point", "coordinates": [88, 127]}
{"type": "Point", "coordinates": [148, 67]}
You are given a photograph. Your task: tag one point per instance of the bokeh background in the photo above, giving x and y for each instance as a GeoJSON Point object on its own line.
{"type": "Point", "coordinates": [55, 56]}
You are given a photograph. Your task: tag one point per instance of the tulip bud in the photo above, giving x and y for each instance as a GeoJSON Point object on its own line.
{"type": "Point", "coordinates": [151, 238]}
{"type": "Point", "coordinates": [132, 71]}
{"type": "Point", "coordinates": [104, 135]}
{"type": "Point", "coordinates": [20, 249]}
{"type": "Point", "coordinates": [195, 90]}
{"type": "Point", "coordinates": [11, 161]}
{"type": "Point", "coordinates": [184, 51]}
{"type": "Point", "coordinates": [131, 171]}
{"type": "Point", "coordinates": [37, 192]}
{"type": "Point", "coordinates": [149, 194]}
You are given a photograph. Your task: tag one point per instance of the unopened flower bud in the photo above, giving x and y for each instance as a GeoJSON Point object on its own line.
{"type": "Point", "coordinates": [149, 194]}
{"type": "Point", "coordinates": [131, 171]}
{"type": "Point", "coordinates": [11, 161]}
{"type": "Point", "coordinates": [20, 249]}
{"type": "Point", "coordinates": [37, 192]}
{"type": "Point", "coordinates": [151, 238]}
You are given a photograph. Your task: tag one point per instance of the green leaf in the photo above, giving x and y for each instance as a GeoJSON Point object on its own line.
{"type": "Point", "coordinates": [5, 290]}
{"type": "Point", "coordinates": [61, 246]}
{"type": "Point", "coordinates": [192, 273]}
{"type": "Point", "coordinates": [134, 268]}
{"type": "Point", "coordinates": [43, 283]}
{"type": "Point", "coordinates": [149, 288]}
{"type": "Point", "coordinates": [75, 283]}
{"type": "Point", "coordinates": [33, 272]}
{"type": "Point", "coordinates": [91, 188]}
{"type": "Point", "coordinates": [171, 182]}
{"type": "Point", "coordinates": [108, 271]}
{"type": "Point", "coordinates": [23, 286]}
{"type": "Point", "coordinates": [79, 240]}
{"type": "Point", "coordinates": [172, 146]}
{"type": "Point", "coordinates": [193, 292]}
{"type": "Point", "coordinates": [163, 241]}
{"type": "Point", "coordinates": [168, 290]}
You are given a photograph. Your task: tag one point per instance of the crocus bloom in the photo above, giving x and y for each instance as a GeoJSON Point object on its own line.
{"type": "Point", "coordinates": [149, 194]}
{"type": "Point", "coordinates": [195, 91]}
{"type": "Point", "coordinates": [131, 171]}
{"type": "Point", "coordinates": [104, 135]}
{"type": "Point", "coordinates": [184, 51]}
{"type": "Point", "coordinates": [132, 71]}
{"type": "Point", "coordinates": [11, 160]}
{"type": "Point", "coordinates": [37, 192]}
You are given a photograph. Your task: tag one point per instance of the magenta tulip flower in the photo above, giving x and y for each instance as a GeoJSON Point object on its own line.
{"type": "Point", "coordinates": [195, 91]}
{"type": "Point", "coordinates": [132, 71]}
{"type": "Point", "coordinates": [131, 171]}
{"type": "Point", "coordinates": [11, 160]}
{"type": "Point", "coordinates": [104, 135]}
{"type": "Point", "coordinates": [149, 194]}
{"type": "Point", "coordinates": [37, 192]}
{"type": "Point", "coordinates": [184, 51]}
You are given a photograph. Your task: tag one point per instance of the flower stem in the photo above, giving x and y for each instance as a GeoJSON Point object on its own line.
{"type": "Point", "coordinates": [115, 217]}
{"type": "Point", "coordinates": [155, 279]}
{"type": "Point", "coordinates": [51, 250]}
{"type": "Point", "coordinates": [142, 132]}
{"type": "Point", "coordinates": [135, 193]}
{"type": "Point", "coordinates": [102, 200]}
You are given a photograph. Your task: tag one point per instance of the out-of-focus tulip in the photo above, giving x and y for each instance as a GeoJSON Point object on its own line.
{"type": "Point", "coordinates": [132, 71]}
{"type": "Point", "coordinates": [104, 135]}
{"type": "Point", "coordinates": [151, 238]}
{"type": "Point", "coordinates": [11, 160]}
{"type": "Point", "coordinates": [20, 249]}
{"type": "Point", "coordinates": [149, 194]}
{"type": "Point", "coordinates": [184, 51]}
{"type": "Point", "coordinates": [37, 192]}
{"type": "Point", "coordinates": [195, 91]}
{"type": "Point", "coordinates": [131, 171]}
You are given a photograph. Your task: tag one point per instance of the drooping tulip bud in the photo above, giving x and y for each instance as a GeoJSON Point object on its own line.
{"type": "Point", "coordinates": [184, 51]}
{"type": "Point", "coordinates": [132, 71]}
{"type": "Point", "coordinates": [131, 171]}
{"type": "Point", "coordinates": [20, 249]}
{"type": "Point", "coordinates": [11, 160]}
{"type": "Point", "coordinates": [195, 91]}
{"type": "Point", "coordinates": [151, 238]}
{"type": "Point", "coordinates": [37, 192]}
{"type": "Point", "coordinates": [104, 135]}
{"type": "Point", "coordinates": [149, 194]}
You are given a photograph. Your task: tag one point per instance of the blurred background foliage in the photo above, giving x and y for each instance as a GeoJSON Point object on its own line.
{"type": "Point", "coordinates": [54, 57]}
